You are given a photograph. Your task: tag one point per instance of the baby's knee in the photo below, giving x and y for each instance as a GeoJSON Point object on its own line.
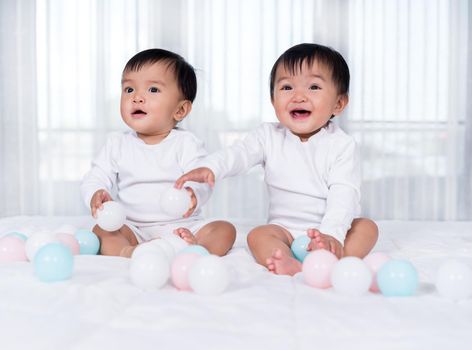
{"type": "Point", "coordinates": [255, 235]}
{"type": "Point", "coordinates": [365, 225]}
{"type": "Point", "coordinates": [226, 228]}
{"type": "Point", "coordinates": [372, 228]}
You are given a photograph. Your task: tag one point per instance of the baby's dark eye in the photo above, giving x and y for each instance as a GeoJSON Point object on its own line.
{"type": "Point", "coordinates": [153, 89]}
{"type": "Point", "coordinates": [129, 90]}
{"type": "Point", "coordinates": [286, 87]}
{"type": "Point", "coordinates": [314, 87]}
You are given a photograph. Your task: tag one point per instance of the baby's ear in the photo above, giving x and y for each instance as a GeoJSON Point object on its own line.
{"type": "Point", "coordinates": [342, 102]}
{"type": "Point", "coordinates": [183, 109]}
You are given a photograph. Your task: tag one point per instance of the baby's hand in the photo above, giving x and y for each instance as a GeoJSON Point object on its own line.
{"type": "Point", "coordinates": [198, 175]}
{"type": "Point", "coordinates": [98, 198]}
{"type": "Point", "coordinates": [321, 241]}
{"type": "Point", "coordinates": [194, 202]}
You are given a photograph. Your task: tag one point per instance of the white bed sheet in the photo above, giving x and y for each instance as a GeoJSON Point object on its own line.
{"type": "Point", "coordinates": [98, 308]}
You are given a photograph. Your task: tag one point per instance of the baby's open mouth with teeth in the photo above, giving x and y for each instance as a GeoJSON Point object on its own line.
{"type": "Point", "coordinates": [300, 113]}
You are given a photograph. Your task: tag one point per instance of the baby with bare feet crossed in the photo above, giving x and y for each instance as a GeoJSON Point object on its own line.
{"type": "Point", "coordinates": [158, 89]}
{"type": "Point", "coordinates": [312, 169]}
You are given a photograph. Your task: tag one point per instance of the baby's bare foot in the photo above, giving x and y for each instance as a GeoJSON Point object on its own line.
{"type": "Point", "coordinates": [282, 264]}
{"type": "Point", "coordinates": [186, 235]}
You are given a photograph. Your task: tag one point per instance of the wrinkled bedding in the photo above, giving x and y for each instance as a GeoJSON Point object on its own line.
{"type": "Point", "coordinates": [99, 308]}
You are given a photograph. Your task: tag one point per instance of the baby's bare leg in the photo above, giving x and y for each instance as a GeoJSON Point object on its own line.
{"type": "Point", "coordinates": [217, 237]}
{"type": "Point", "coordinates": [270, 245]}
{"type": "Point", "coordinates": [118, 243]}
{"type": "Point", "coordinates": [361, 238]}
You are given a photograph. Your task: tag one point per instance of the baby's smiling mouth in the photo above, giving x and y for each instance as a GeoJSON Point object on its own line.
{"type": "Point", "coordinates": [138, 113]}
{"type": "Point", "coordinates": [300, 114]}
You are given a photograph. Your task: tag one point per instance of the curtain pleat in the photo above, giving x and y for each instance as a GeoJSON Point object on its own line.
{"type": "Point", "coordinates": [409, 109]}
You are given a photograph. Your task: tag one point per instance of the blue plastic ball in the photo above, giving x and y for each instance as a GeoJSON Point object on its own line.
{"type": "Point", "coordinates": [53, 262]}
{"type": "Point", "coordinates": [195, 248]}
{"type": "Point", "coordinates": [88, 242]}
{"type": "Point", "coordinates": [397, 278]}
{"type": "Point", "coordinates": [19, 235]}
{"type": "Point", "coordinates": [299, 247]}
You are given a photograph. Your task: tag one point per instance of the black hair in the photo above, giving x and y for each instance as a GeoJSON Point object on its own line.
{"type": "Point", "coordinates": [184, 72]}
{"type": "Point", "coordinates": [296, 56]}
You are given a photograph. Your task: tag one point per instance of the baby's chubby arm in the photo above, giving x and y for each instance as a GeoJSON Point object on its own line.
{"type": "Point", "coordinates": [202, 175]}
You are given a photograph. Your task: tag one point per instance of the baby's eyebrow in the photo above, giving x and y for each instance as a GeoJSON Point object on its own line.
{"type": "Point", "coordinates": [158, 82]}
{"type": "Point", "coordinates": [318, 76]}
{"type": "Point", "coordinates": [311, 76]}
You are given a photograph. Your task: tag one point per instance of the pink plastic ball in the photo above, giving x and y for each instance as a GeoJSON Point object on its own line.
{"type": "Point", "coordinates": [375, 261]}
{"type": "Point", "coordinates": [69, 241]}
{"type": "Point", "coordinates": [12, 249]}
{"type": "Point", "coordinates": [180, 269]}
{"type": "Point", "coordinates": [317, 268]}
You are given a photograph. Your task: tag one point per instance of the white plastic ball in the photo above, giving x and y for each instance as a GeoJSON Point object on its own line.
{"type": "Point", "coordinates": [209, 276]}
{"type": "Point", "coordinates": [149, 271]}
{"type": "Point", "coordinates": [175, 202]}
{"type": "Point", "coordinates": [165, 246]}
{"type": "Point", "coordinates": [148, 248]}
{"type": "Point", "coordinates": [111, 217]}
{"type": "Point", "coordinates": [454, 280]}
{"type": "Point", "coordinates": [175, 241]}
{"type": "Point", "coordinates": [351, 276]}
{"type": "Point", "coordinates": [37, 241]}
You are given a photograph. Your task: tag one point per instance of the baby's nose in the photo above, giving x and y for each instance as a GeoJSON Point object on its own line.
{"type": "Point", "coordinates": [137, 98]}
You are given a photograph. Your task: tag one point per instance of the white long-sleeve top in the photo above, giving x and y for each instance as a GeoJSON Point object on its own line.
{"type": "Point", "coordinates": [312, 184]}
{"type": "Point", "coordinates": [138, 173]}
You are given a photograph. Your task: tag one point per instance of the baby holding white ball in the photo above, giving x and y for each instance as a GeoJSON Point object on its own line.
{"type": "Point", "coordinates": [311, 166]}
{"type": "Point", "coordinates": [140, 166]}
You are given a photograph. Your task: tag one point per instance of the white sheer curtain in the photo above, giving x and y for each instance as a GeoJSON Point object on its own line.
{"type": "Point", "coordinates": [19, 181]}
{"type": "Point", "coordinates": [410, 94]}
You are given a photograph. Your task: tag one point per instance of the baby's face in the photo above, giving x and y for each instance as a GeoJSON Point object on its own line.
{"type": "Point", "coordinates": [150, 101]}
{"type": "Point", "coordinates": [304, 102]}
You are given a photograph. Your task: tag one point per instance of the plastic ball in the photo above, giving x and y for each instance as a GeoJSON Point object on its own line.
{"type": "Point", "coordinates": [111, 217]}
{"type": "Point", "coordinates": [36, 241]}
{"type": "Point", "coordinates": [12, 248]}
{"type": "Point", "coordinates": [175, 202]}
{"type": "Point", "coordinates": [397, 278]}
{"type": "Point", "coordinates": [351, 276]}
{"type": "Point", "coordinates": [69, 241]}
{"type": "Point", "coordinates": [20, 235]}
{"type": "Point", "coordinates": [180, 269]}
{"type": "Point", "coordinates": [195, 248]}
{"type": "Point", "coordinates": [88, 242]}
{"type": "Point", "coordinates": [317, 268]}
{"type": "Point", "coordinates": [165, 246]}
{"type": "Point", "coordinates": [53, 262]}
{"type": "Point", "coordinates": [175, 241]}
{"type": "Point", "coordinates": [149, 271]}
{"type": "Point", "coordinates": [209, 276]}
{"type": "Point", "coordinates": [148, 248]}
{"type": "Point", "coordinates": [454, 280]}
{"type": "Point", "coordinates": [375, 261]}
{"type": "Point", "coordinates": [299, 247]}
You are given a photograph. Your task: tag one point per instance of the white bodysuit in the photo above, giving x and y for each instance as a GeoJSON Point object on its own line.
{"type": "Point", "coordinates": [312, 184]}
{"type": "Point", "coordinates": [138, 173]}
